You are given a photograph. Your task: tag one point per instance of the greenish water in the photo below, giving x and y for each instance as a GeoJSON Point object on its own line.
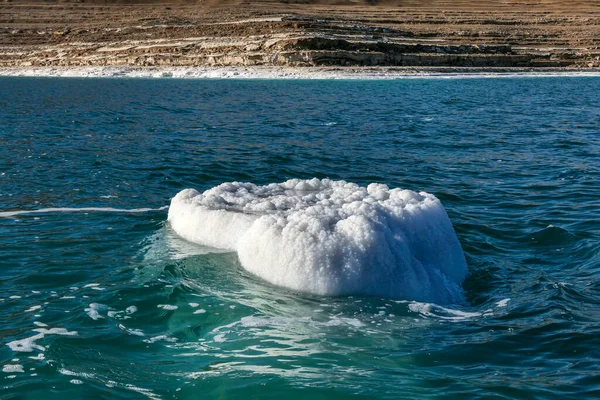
{"type": "Point", "coordinates": [100, 299]}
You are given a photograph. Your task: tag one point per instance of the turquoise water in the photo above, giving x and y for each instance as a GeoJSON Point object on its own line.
{"type": "Point", "coordinates": [99, 299]}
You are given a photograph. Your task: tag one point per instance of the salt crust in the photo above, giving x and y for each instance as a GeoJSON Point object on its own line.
{"type": "Point", "coordinates": [269, 72]}
{"type": "Point", "coordinates": [330, 237]}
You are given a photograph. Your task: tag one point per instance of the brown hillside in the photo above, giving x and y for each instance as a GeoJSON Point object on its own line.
{"type": "Point", "coordinates": [458, 33]}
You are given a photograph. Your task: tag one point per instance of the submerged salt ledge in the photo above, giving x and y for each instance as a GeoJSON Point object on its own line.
{"type": "Point", "coordinates": [330, 237]}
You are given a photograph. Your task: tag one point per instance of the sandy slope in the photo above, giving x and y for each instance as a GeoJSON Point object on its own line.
{"type": "Point", "coordinates": [452, 33]}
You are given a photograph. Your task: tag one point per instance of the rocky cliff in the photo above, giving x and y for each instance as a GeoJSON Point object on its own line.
{"type": "Point", "coordinates": [458, 33]}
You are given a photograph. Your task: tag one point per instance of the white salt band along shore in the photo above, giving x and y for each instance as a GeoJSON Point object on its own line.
{"type": "Point", "coordinates": [270, 72]}
{"type": "Point", "coordinates": [330, 237]}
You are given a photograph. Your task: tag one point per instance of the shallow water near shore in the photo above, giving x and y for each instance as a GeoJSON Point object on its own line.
{"type": "Point", "coordinates": [100, 299]}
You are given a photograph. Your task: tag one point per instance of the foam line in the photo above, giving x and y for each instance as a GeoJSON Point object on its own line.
{"type": "Point", "coordinates": [7, 214]}
{"type": "Point", "coordinates": [267, 72]}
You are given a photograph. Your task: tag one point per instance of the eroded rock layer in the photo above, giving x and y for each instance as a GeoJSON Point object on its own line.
{"type": "Point", "coordinates": [461, 33]}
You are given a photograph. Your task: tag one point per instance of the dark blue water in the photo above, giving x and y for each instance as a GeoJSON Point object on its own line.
{"type": "Point", "coordinates": [101, 303]}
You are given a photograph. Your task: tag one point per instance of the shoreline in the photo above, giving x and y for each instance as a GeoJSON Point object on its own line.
{"type": "Point", "coordinates": [292, 73]}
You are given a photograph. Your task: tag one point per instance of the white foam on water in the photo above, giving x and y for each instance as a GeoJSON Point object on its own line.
{"type": "Point", "coordinates": [200, 311]}
{"type": "Point", "coordinates": [86, 375]}
{"type": "Point", "coordinates": [131, 331]}
{"type": "Point", "coordinates": [146, 392]}
{"type": "Point", "coordinates": [95, 309]}
{"type": "Point", "coordinates": [14, 213]}
{"type": "Point", "coordinates": [94, 286]}
{"type": "Point", "coordinates": [168, 307]}
{"type": "Point", "coordinates": [220, 338]}
{"type": "Point", "coordinates": [296, 325]}
{"type": "Point", "coordinates": [437, 311]}
{"type": "Point", "coordinates": [340, 321]}
{"type": "Point", "coordinates": [503, 302]}
{"type": "Point", "coordinates": [39, 357]}
{"type": "Point", "coordinates": [330, 237]}
{"type": "Point", "coordinates": [27, 345]}
{"type": "Point", "coordinates": [122, 315]}
{"type": "Point", "coordinates": [12, 368]}
{"type": "Point", "coordinates": [160, 338]}
{"type": "Point", "coordinates": [67, 372]}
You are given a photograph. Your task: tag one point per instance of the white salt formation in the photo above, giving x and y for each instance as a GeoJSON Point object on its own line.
{"type": "Point", "coordinates": [330, 237]}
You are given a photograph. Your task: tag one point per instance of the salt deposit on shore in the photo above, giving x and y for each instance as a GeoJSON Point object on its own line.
{"type": "Point", "coordinates": [287, 72]}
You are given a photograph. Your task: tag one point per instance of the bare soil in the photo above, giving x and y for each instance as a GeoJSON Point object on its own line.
{"type": "Point", "coordinates": [434, 33]}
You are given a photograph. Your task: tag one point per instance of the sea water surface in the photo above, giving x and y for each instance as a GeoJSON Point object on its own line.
{"type": "Point", "coordinates": [100, 299]}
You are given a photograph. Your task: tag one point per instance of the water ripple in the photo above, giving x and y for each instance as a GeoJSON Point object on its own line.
{"type": "Point", "coordinates": [88, 166]}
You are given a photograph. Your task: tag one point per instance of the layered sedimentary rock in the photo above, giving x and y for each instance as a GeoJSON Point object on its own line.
{"type": "Point", "coordinates": [429, 34]}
